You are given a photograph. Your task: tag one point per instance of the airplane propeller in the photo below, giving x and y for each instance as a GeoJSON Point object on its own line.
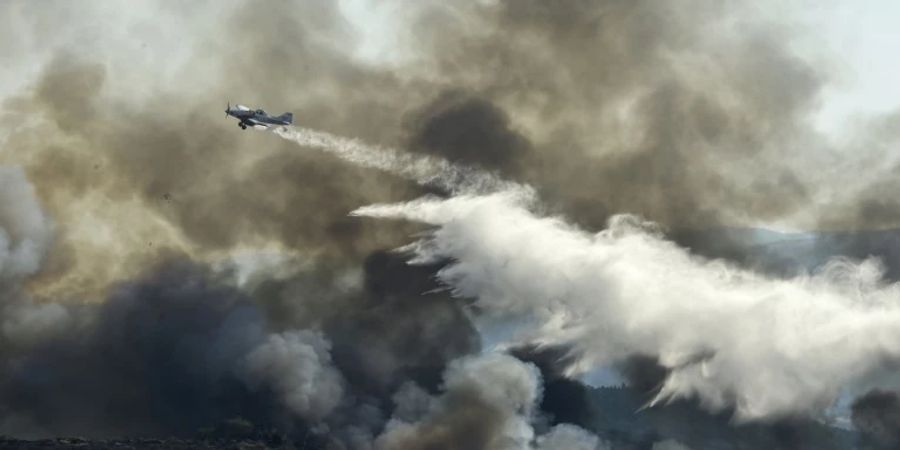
{"type": "Point", "coordinates": [227, 108]}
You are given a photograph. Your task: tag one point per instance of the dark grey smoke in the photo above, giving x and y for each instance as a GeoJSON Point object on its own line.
{"type": "Point", "coordinates": [486, 403]}
{"type": "Point", "coordinates": [877, 415]}
{"type": "Point", "coordinates": [396, 328]}
{"type": "Point", "coordinates": [410, 331]}
{"type": "Point", "coordinates": [469, 130]}
{"type": "Point", "coordinates": [576, 63]}
{"type": "Point", "coordinates": [156, 358]}
{"type": "Point", "coordinates": [183, 348]}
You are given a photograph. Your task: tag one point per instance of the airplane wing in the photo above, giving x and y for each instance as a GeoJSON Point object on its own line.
{"type": "Point", "coordinates": [256, 123]}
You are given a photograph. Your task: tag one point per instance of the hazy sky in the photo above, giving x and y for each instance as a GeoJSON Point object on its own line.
{"type": "Point", "coordinates": [852, 38]}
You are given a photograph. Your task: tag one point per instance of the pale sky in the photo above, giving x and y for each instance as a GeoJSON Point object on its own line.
{"type": "Point", "coordinates": [862, 39]}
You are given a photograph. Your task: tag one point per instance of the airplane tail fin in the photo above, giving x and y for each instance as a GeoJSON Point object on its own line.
{"type": "Point", "coordinates": [287, 117]}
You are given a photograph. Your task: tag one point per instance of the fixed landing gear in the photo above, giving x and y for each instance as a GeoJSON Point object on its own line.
{"type": "Point", "coordinates": [243, 127]}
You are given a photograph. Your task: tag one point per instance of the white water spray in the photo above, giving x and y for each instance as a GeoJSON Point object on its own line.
{"type": "Point", "coordinates": [731, 338]}
{"type": "Point", "coordinates": [424, 170]}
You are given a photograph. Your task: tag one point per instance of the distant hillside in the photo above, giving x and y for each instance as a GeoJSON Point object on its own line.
{"type": "Point", "coordinates": [616, 415]}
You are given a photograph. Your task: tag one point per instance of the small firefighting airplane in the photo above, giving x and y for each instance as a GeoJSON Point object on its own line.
{"type": "Point", "coordinates": [249, 117]}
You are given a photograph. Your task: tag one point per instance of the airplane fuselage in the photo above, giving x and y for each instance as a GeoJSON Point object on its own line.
{"type": "Point", "coordinates": [248, 117]}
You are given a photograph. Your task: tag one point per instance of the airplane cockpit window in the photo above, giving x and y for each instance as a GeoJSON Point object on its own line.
{"type": "Point", "coordinates": [260, 112]}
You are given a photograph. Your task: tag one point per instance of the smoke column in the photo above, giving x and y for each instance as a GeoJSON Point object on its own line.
{"type": "Point", "coordinates": [424, 170]}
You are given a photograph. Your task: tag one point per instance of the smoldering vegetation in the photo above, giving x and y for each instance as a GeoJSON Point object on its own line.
{"type": "Point", "coordinates": [117, 320]}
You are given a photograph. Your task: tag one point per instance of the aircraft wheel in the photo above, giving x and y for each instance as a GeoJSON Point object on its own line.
{"type": "Point", "coordinates": [243, 127]}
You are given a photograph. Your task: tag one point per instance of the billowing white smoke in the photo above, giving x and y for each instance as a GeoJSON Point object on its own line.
{"type": "Point", "coordinates": [25, 232]}
{"type": "Point", "coordinates": [297, 366]}
{"type": "Point", "coordinates": [730, 337]}
{"type": "Point", "coordinates": [424, 170]}
{"type": "Point", "coordinates": [488, 402]}
{"type": "Point", "coordinates": [569, 437]}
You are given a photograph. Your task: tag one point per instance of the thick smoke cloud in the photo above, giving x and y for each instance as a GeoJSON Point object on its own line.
{"type": "Point", "coordinates": [166, 342]}
{"type": "Point", "coordinates": [617, 96]}
{"type": "Point", "coordinates": [603, 106]}
{"type": "Point", "coordinates": [468, 130]}
{"type": "Point", "coordinates": [197, 347]}
{"type": "Point", "coordinates": [156, 170]}
{"type": "Point", "coordinates": [196, 350]}
{"type": "Point", "coordinates": [691, 115]}
{"type": "Point", "coordinates": [25, 232]}
{"type": "Point", "coordinates": [877, 415]}
{"type": "Point", "coordinates": [487, 403]}
{"type": "Point", "coordinates": [387, 325]}
{"type": "Point", "coordinates": [298, 367]}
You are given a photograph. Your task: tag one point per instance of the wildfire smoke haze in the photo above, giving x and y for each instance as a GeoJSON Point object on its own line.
{"type": "Point", "coordinates": [496, 225]}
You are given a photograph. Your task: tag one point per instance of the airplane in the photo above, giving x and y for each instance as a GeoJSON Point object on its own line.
{"type": "Point", "coordinates": [248, 117]}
